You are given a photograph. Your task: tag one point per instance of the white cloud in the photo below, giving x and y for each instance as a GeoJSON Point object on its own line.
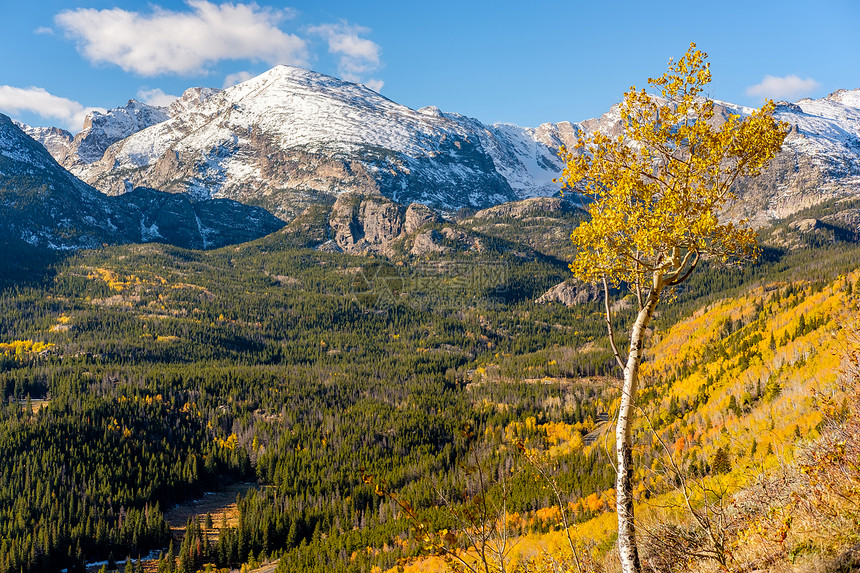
{"type": "Point", "coordinates": [358, 56]}
{"type": "Point", "coordinates": [155, 96]}
{"type": "Point", "coordinates": [68, 113]}
{"type": "Point", "coordinates": [165, 41]}
{"type": "Point", "coordinates": [785, 88]}
{"type": "Point", "coordinates": [237, 78]}
{"type": "Point", "coordinates": [375, 85]}
{"type": "Point", "coordinates": [43, 30]}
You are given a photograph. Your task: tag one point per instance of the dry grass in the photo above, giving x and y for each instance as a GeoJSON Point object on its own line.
{"type": "Point", "coordinates": [220, 505]}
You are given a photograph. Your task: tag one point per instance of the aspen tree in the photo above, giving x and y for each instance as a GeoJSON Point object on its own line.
{"type": "Point", "coordinates": [656, 193]}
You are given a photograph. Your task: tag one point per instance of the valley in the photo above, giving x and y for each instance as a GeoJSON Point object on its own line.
{"type": "Point", "coordinates": [294, 322]}
{"type": "Point", "coordinates": [273, 362]}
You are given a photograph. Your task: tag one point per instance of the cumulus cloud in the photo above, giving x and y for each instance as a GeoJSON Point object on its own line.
{"type": "Point", "coordinates": [43, 30]}
{"type": "Point", "coordinates": [155, 96]}
{"type": "Point", "coordinates": [67, 113]}
{"type": "Point", "coordinates": [785, 88]}
{"type": "Point", "coordinates": [170, 42]}
{"type": "Point", "coordinates": [232, 79]}
{"type": "Point", "coordinates": [358, 56]}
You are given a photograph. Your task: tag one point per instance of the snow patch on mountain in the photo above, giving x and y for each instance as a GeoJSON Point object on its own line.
{"type": "Point", "coordinates": [528, 157]}
{"type": "Point", "coordinates": [828, 130]}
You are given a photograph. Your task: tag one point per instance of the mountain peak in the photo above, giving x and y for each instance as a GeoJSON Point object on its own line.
{"type": "Point", "coordinates": [284, 70]}
{"type": "Point", "coordinates": [133, 112]}
{"type": "Point", "coordinates": [190, 98]}
{"type": "Point", "coordinates": [289, 81]}
{"type": "Point", "coordinates": [102, 129]}
{"type": "Point", "coordinates": [850, 98]}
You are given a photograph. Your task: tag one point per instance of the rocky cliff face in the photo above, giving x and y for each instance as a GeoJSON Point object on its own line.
{"type": "Point", "coordinates": [375, 224]}
{"type": "Point", "coordinates": [362, 224]}
{"type": "Point", "coordinates": [365, 224]}
{"type": "Point", "coordinates": [57, 141]}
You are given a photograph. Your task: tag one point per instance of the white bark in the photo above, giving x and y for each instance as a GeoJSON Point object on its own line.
{"type": "Point", "coordinates": [624, 436]}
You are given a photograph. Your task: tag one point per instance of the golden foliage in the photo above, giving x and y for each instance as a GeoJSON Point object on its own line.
{"type": "Point", "coordinates": [657, 189]}
{"type": "Point", "coordinates": [21, 348]}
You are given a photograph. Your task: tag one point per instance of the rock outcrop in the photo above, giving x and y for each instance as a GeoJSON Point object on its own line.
{"type": "Point", "coordinates": [534, 207]}
{"type": "Point", "coordinates": [571, 293]}
{"type": "Point", "coordinates": [428, 242]}
{"type": "Point", "coordinates": [365, 223]}
{"type": "Point", "coordinates": [417, 216]}
{"type": "Point", "coordinates": [362, 224]}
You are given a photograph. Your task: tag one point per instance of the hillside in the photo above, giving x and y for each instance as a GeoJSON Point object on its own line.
{"type": "Point", "coordinates": [295, 368]}
{"type": "Point", "coordinates": [384, 384]}
{"type": "Point", "coordinates": [751, 410]}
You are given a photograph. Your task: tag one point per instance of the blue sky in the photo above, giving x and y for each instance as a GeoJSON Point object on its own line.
{"type": "Point", "coordinates": [519, 62]}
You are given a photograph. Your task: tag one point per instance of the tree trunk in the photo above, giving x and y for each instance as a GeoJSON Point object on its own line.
{"type": "Point", "coordinates": [624, 437]}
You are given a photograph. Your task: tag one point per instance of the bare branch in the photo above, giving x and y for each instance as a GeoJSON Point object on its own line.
{"type": "Point", "coordinates": [608, 316]}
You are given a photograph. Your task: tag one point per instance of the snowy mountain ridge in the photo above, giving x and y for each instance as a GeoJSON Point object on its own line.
{"type": "Point", "coordinates": [101, 130]}
{"type": "Point", "coordinates": [290, 134]}
{"type": "Point", "coordinates": [820, 158]}
{"type": "Point", "coordinates": [288, 137]}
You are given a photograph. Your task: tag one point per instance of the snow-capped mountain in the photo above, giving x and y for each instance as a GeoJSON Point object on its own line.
{"type": "Point", "coordinates": [827, 130]}
{"type": "Point", "coordinates": [289, 135]}
{"type": "Point", "coordinates": [820, 158]}
{"type": "Point", "coordinates": [44, 205]}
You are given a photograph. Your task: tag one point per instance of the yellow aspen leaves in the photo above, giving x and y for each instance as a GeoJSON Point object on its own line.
{"type": "Point", "coordinates": [655, 192]}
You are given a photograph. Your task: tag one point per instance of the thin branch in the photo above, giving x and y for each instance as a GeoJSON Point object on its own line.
{"type": "Point", "coordinates": [608, 316]}
{"type": "Point", "coordinates": [554, 486]}
{"type": "Point", "coordinates": [464, 526]}
{"type": "Point", "coordinates": [703, 520]}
